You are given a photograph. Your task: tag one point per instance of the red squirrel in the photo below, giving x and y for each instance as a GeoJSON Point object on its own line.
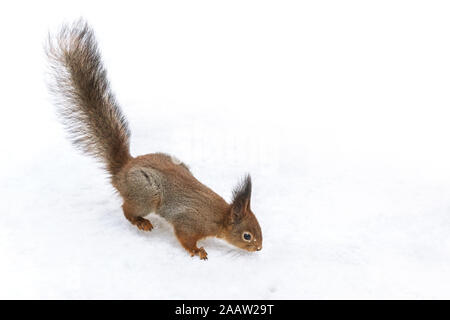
{"type": "Point", "coordinates": [154, 182]}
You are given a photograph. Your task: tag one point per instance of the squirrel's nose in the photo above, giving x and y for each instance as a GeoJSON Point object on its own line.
{"type": "Point", "coordinates": [258, 249]}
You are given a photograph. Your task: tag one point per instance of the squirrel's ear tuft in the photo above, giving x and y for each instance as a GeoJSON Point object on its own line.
{"type": "Point", "coordinates": [241, 199]}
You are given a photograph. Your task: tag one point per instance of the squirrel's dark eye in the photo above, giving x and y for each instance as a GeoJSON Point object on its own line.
{"type": "Point", "coordinates": [247, 236]}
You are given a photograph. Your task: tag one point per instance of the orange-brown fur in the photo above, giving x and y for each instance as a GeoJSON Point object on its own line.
{"type": "Point", "coordinates": [151, 183]}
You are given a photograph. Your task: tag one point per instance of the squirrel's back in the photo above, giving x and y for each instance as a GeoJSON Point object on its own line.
{"type": "Point", "coordinates": [85, 102]}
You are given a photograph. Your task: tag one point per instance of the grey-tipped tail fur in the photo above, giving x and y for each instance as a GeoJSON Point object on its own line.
{"type": "Point", "coordinates": [84, 100]}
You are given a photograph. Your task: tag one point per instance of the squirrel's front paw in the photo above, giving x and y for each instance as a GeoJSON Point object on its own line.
{"type": "Point", "coordinates": [201, 253]}
{"type": "Point", "coordinates": [144, 224]}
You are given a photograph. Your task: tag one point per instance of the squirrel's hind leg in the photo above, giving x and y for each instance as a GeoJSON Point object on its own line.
{"type": "Point", "coordinates": [140, 189]}
{"type": "Point", "coordinates": [135, 217]}
{"type": "Point", "coordinates": [189, 242]}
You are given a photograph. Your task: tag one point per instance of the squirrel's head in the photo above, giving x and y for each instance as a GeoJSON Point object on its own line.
{"type": "Point", "coordinates": [243, 229]}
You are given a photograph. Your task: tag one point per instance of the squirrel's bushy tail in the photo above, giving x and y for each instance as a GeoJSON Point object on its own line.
{"type": "Point", "coordinates": [85, 102]}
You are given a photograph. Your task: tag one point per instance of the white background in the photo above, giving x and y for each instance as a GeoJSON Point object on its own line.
{"type": "Point", "coordinates": [338, 109]}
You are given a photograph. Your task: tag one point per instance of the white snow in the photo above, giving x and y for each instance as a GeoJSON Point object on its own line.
{"type": "Point", "coordinates": [339, 110]}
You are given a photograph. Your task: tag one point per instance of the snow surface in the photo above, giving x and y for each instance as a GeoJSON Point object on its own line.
{"type": "Point", "coordinates": [339, 110]}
